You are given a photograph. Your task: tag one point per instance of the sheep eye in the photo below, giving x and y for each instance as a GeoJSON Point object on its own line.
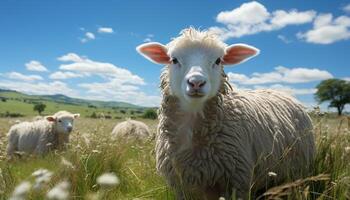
{"type": "Point", "coordinates": [174, 61]}
{"type": "Point", "coordinates": [218, 61]}
{"type": "Point", "coordinates": [59, 120]}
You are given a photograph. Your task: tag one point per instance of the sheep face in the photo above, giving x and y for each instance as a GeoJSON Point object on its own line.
{"type": "Point", "coordinates": [194, 61]}
{"type": "Point", "coordinates": [195, 74]}
{"type": "Point", "coordinates": [63, 124]}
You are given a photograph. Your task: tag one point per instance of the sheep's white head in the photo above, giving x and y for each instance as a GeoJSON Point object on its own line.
{"type": "Point", "coordinates": [63, 120]}
{"type": "Point", "coordinates": [195, 60]}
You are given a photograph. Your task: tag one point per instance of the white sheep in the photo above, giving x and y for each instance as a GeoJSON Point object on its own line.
{"type": "Point", "coordinates": [214, 141]}
{"type": "Point", "coordinates": [131, 129]}
{"type": "Point", "coordinates": [40, 136]}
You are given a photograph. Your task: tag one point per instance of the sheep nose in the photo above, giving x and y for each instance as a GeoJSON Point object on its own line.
{"type": "Point", "coordinates": [69, 128]}
{"type": "Point", "coordinates": [196, 83]}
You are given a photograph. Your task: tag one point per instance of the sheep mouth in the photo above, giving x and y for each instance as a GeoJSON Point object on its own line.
{"type": "Point", "coordinates": [196, 94]}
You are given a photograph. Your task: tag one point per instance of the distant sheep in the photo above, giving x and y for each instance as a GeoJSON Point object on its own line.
{"type": "Point", "coordinates": [131, 129]}
{"type": "Point", "coordinates": [214, 141]}
{"type": "Point", "coordinates": [40, 136]}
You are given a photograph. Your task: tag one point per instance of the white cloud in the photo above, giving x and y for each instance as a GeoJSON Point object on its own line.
{"type": "Point", "coordinates": [244, 15]}
{"type": "Point", "coordinates": [106, 70]}
{"type": "Point", "coordinates": [105, 30]}
{"type": "Point", "coordinates": [284, 39]}
{"type": "Point", "coordinates": [282, 18]}
{"type": "Point", "coordinates": [114, 91]}
{"type": "Point", "coordinates": [23, 77]}
{"type": "Point", "coordinates": [347, 8]}
{"type": "Point", "coordinates": [281, 75]}
{"type": "Point", "coordinates": [288, 89]}
{"type": "Point", "coordinates": [118, 84]}
{"type": "Point", "coordinates": [65, 75]}
{"type": "Point", "coordinates": [71, 57]}
{"type": "Point", "coordinates": [34, 65]}
{"type": "Point", "coordinates": [346, 78]}
{"type": "Point", "coordinates": [90, 35]}
{"type": "Point", "coordinates": [40, 88]}
{"type": "Point", "coordinates": [240, 21]}
{"type": "Point", "coordinates": [83, 40]}
{"type": "Point", "coordinates": [149, 38]}
{"type": "Point", "coordinates": [327, 30]}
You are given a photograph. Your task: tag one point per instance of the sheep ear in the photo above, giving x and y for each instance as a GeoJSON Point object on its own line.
{"type": "Point", "coordinates": [76, 115]}
{"type": "Point", "coordinates": [238, 53]}
{"type": "Point", "coordinates": [154, 52]}
{"type": "Point", "coordinates": [50, 119]}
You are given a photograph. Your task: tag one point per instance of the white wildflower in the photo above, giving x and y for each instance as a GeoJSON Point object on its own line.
{"type": "Point", "coordinates": [221, 198]}
{"type": "Point", "coordinates": [86, 140]}
{"type": "Point", "coordinates": [59, 192]}
{"type": "Point", "coordinates": [347, 149]}
{"type": "Point", "coordinates": [42, 176]}
{"type": "Point", "coordinates": [108, 180]}
{"type": "Point", "coordinates": [40, 172]}
{"type": "Point", "coordinates": [96, 151]}
{"type": "Point", "coordinates": [66, 163]}
{"type": "Point", "coordinates": [272, 174]}
{"type": "Point", "coordinates": [21, 190]}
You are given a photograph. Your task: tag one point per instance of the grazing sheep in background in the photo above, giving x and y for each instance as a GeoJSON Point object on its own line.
{"type": "Point", "coordinates": [131, 129]}
{"type": "Point", "coordinates": [214, 141]}
{"type": "Point", "coordinates": [41, 135]}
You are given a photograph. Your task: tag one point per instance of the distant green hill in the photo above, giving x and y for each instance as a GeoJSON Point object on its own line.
{"type": "Point", "coordinates": [17, 102]}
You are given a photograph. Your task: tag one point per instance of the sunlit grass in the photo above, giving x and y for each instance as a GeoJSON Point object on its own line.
{"type": "Point", "coordinates": [93, 153]}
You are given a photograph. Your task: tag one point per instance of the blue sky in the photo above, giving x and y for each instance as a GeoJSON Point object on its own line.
{"type": "Point", "coordinates": [86, 49]}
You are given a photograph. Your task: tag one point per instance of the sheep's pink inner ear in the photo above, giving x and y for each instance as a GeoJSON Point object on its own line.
{"type": "Point", "coordinates": [238, 53]}
{"type": "Point", "coordinates": [50, 119]}
{"type": "Point", "coordinates": [154, 52]}
{"type": "Point", "coordinates": [76, 115]}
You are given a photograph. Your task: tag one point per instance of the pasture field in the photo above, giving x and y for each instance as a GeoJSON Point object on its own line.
{"type": "Point", "coordinates": [92, 153]}
{"type": "Point", "coordinates": [21, 105]}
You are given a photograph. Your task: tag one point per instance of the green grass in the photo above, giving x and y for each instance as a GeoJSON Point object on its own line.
{"type": "Point", "coordinates": [92, 153]}
{"type": "Point", "coordinates": [16, 102]}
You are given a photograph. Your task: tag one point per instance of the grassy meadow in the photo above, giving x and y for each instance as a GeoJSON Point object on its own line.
{"type": "Point", "coordinates": [92, 153]}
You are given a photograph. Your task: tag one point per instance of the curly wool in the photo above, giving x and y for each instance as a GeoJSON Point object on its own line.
{"type": "Point", "coordinates": [234, 143]}
{"type": "Point", "coordinates": [131, 129]}
{"type": "Point", "coordinates": [39, 136]}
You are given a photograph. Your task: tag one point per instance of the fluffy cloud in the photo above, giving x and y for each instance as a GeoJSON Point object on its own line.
{"type": "Point", "coordinates": [149, 38]}
{"type": "Point", "coordinates": [126, 93]}
{"type": "Point", "coordinates": [118, 84]}
{"type": "Point", "coordinates": [65, 75]}
{"type": "Point", "coordinates": [281, 75]}
{"type": "Point", "coordinates": [70, 57]}
{"type": "Point", "coordinates": [347, 8]}
{"type": "Point", "coordinates": [284, 39]}
{"type": "Point", "coordinates": [22, 77]}
{"type": "Point", "coordinates": [288, 89]}
{"type": "Point", "coordinates": [240, 21]}
{"type": "Point", "coordinates": [282, 18]}
{"type": "Point", "coordinates": [106, 70]}
{"type": "Point", "coordinates": [34, 65]}
{"type": "Point", "coordinates": [88, 36]}
{"type": "Point", "coordinates": [40, 88]}
{"type": "Point", "coordinates": [327, 30]}
{"type": "Point", "coordinates": [105, 30]}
